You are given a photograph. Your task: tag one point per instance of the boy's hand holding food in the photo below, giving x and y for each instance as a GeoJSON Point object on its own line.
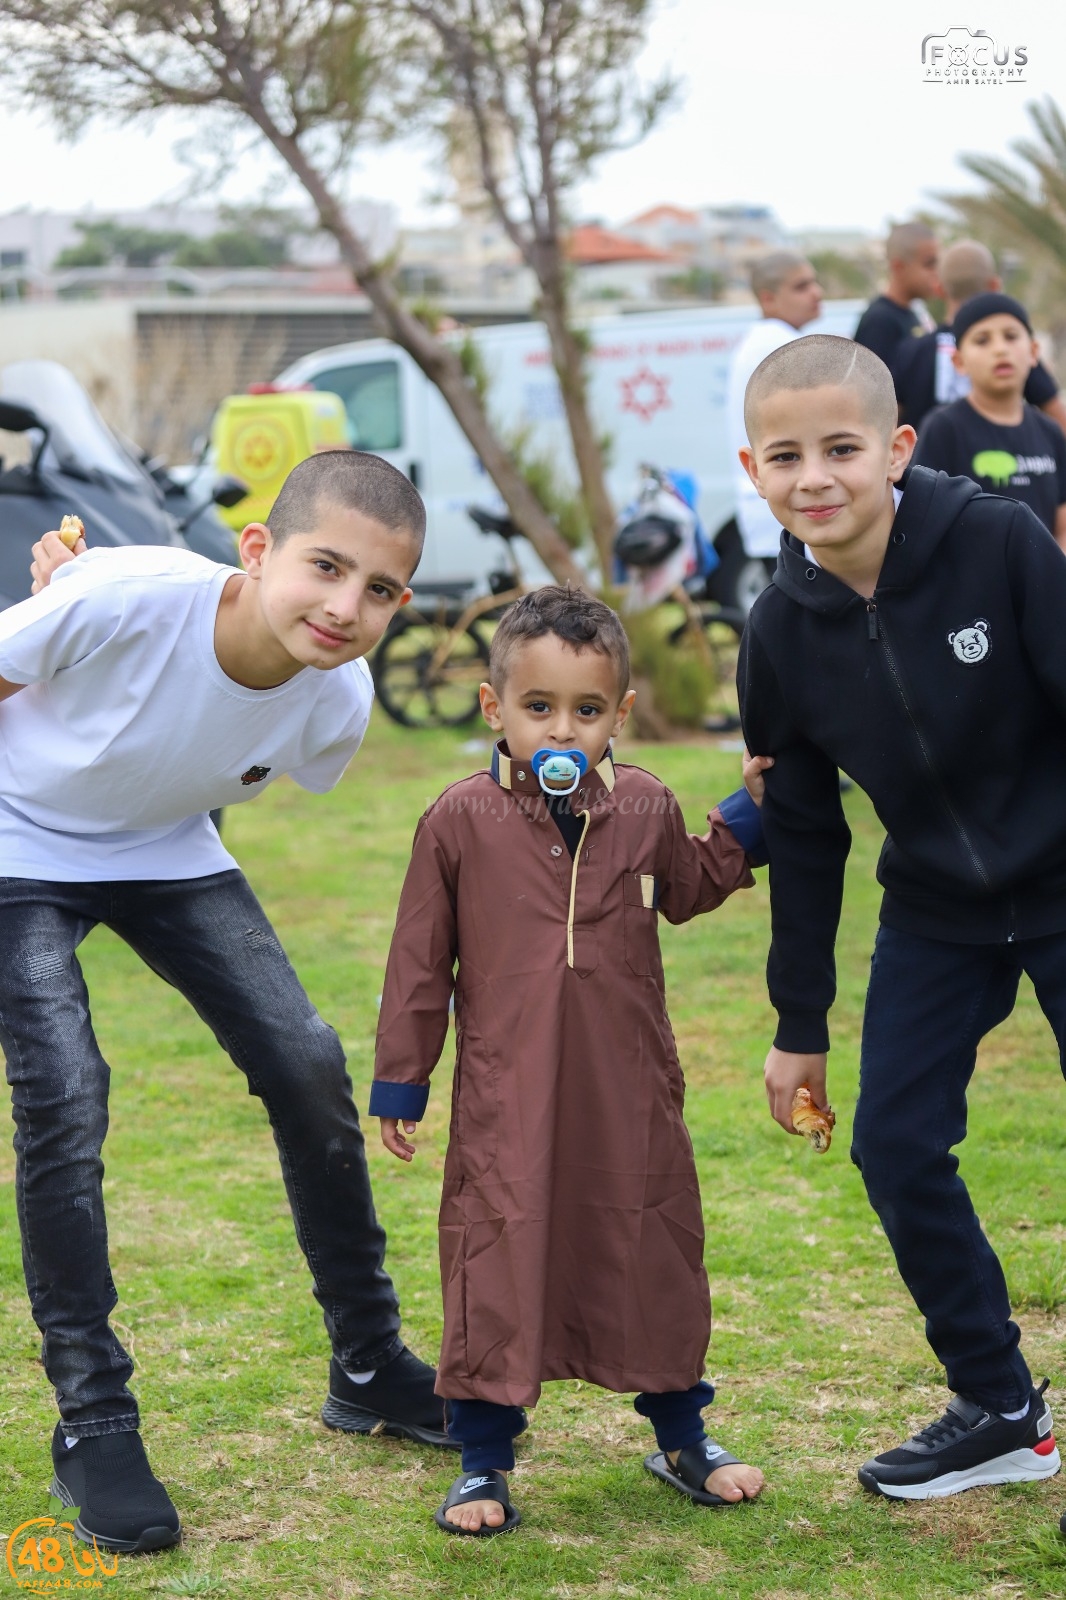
{"type": "Point", "coordinates": [56, 548]}
{"type": "Point", "coordinates": [784, 1073]}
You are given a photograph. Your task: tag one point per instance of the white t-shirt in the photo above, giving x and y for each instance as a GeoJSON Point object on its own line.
{"type": "Point", "coordinates": [759, 527]}
{"type": "Point", "coordinates": [130, 732]}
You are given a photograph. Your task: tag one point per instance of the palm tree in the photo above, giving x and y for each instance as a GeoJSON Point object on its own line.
{"type": "Point", "coordinates": [1021, 214]}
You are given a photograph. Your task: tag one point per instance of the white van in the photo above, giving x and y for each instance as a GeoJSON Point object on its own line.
{"type": "Point", "coordinates": [657, 384]}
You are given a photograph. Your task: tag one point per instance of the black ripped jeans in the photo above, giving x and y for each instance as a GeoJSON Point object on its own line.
{"type": "Point", "coordinates": [210, 939]}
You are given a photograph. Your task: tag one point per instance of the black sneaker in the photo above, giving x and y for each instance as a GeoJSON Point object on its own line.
{"type": "Point", "coordinates": [121, 1504]}
{"type": "Point", "coordinates": [966, 1447]}
{"type": "Point", "coordinates": [399, 1400]}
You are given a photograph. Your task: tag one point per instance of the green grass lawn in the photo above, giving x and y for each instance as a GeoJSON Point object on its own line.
{"type": "Point", "coordinates": [818, 1354]}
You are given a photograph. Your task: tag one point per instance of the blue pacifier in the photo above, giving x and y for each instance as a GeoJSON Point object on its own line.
{"type": "Point", "coordinates": [559, 771]}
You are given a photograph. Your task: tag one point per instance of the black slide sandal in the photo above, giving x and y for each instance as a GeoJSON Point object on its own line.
{"type": "Point", "coordinates": [493, 1486]}
{"type": "Point", "coordinates": [694, 1466]}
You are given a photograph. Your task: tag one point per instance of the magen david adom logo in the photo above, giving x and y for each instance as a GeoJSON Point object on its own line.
{"type": "Point", "coordinates": [972, 60]}
{"type": "Point", "coordinates": [262, 449]}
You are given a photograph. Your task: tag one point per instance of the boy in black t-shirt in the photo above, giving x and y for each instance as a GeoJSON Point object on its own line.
{"type": "Point", "coordinates": [993, 436]}
{"type": "Point", "coordinates": [922, 368]}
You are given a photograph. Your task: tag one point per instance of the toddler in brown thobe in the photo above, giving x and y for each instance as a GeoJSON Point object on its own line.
{"type": "Point", "coordinates": [571, 1227]}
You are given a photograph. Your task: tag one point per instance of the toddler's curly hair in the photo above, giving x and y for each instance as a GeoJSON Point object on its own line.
{"type": "Point", "coordinates": [579, 619]}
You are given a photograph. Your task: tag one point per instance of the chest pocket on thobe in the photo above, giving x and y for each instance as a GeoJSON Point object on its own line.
{"type": "Point", "coordinates": [641, 896]}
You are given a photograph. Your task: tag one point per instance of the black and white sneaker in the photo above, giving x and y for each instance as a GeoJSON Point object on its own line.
{"type": "Point", "coordinates": [966, 1447]}
{"type": "Point", "coordinates": [399, 1400]}
{"type": "Point", "coordinates": [121, 1503]}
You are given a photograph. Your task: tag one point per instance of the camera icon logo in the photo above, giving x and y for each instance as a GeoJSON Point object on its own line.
{"type": "Point", "coordinates": [975, 58]}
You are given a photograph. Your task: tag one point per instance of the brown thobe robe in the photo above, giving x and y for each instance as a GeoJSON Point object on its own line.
{"type": "Point", "coordinates": [571, 1228]}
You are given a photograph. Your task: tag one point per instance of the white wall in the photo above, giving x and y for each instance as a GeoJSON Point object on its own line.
{"type": "Point", "coordinates": [95, 339]}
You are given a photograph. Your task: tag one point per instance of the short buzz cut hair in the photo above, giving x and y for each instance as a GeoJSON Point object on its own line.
{"type": "Point", "coordinates": [967, 268]}
{"type": "Point", "coordinates": [906, 238]}
{"type": "Point", "coordinates": [770, 272]}
{"type": "Point", "coordinates": [355, 480]}
{"type": "Point", "coordinates": [578, 619]}
{"type": "Point", "coordinates": [819, 360]}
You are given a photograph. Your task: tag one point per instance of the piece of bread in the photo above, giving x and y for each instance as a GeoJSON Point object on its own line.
{"type": "Point", "coordinates": [814, 1124]}
{"type": "Point", "coordinates": [71, 529]}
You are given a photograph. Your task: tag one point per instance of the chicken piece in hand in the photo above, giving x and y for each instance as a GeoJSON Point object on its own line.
{"type": "Point", "coordinates": [810, 1120]}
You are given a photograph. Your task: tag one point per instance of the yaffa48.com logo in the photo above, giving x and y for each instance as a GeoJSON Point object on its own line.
{"type": "Point", "coordinates": [45, 1555]}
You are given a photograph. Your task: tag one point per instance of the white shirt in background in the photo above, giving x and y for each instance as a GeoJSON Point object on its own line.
{"type": "Point", "coordinates": [130, 732]}
{"type": "Point", "coordinates": [759, 528]}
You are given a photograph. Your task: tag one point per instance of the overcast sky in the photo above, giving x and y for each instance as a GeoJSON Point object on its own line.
{"type": "Point", "coordinates": [824, 116]}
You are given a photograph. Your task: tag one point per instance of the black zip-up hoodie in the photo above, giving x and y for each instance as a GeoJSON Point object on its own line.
{"type": "Point", "coordinates": [944, 697]}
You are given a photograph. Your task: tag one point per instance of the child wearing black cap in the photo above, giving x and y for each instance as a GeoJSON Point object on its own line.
{"type": "Point", "coordinates": [993, 436]}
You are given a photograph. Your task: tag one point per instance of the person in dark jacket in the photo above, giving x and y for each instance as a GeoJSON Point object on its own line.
{"type": "Point", "coordinates": [915, 640]}
{"type": "Point", "coordinates": [565, 1253]}
{"type": "Point", "coordinates": [923, 371]}
{"type": "Point", "coordinates": [890, 320]}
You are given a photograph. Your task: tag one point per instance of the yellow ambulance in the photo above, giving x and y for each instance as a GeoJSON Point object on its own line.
{"type": "Point", "coordinates": [260, 437]}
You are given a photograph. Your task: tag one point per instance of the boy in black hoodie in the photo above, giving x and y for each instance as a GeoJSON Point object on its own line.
{"type": "Point", "coordinates": [916, 642]}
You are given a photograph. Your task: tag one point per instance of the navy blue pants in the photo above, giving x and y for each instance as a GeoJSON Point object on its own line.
{"type": "Point", "coordinates": [487, 1431]}
{"type": "Point", "coordinates": [929, 1005]}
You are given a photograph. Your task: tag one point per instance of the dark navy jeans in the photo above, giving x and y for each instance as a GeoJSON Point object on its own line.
{"type": "Point", "coordinates": [929, 1005]}
{"type": "Point", "coordinates": [210, 939]}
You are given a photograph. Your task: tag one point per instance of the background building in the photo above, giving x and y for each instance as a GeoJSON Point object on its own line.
{"type": "Point", "coordinates": [160, 312]}
{"type": "Point", "coordinates": [717, 245]}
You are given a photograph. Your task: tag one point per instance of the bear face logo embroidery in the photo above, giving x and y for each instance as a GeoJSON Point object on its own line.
{"type": "Point", "coordinates": [254, 775]}
{"type": "Point", "coordinates": [971, 645]}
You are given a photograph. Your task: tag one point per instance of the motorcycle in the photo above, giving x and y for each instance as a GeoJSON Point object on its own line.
{"type": "Point", "coordinates": [78, 464]}
{"type": "Point", "coordinates": [663, 556]}
{"type": "Point", "coordinates": [661, 544]}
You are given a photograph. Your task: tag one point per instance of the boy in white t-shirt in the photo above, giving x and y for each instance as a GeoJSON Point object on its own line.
{"type": "Point", "coordinates": [790, 297]}
{"type": "Point", "coordinates": [142, 688]}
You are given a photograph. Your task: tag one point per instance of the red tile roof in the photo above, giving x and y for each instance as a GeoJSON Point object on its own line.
{"type": "Point", "coordinates": [663, 213]}
{"type": "Point", "coordinates": [590, 244]}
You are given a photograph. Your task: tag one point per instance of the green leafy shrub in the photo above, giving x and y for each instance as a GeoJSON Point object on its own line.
{"type": "Point", "coordinates": [681, 676]}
